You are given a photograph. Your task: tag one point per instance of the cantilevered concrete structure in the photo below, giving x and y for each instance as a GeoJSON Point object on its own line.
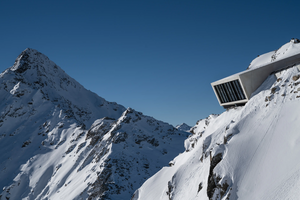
{"type": "Point", "coordinates": [237, 89]}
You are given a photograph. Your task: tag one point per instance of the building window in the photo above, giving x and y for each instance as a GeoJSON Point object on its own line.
{"type": "Point", "coordinates": [230, 91]}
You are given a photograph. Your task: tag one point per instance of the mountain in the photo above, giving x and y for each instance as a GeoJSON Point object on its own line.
{"type": "Point", "coordinates": [183, 127]}
{"type": "Point", "coordinates": [249, 152]}
{"type": "Point", "coordinates": [61, 141]}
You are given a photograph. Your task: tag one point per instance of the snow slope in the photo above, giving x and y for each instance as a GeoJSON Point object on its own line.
{"type": "Point", "coordinates": [289, 49]}
{"type": "Point", "coordinates": [61, 141]}
{"type": "Point", "coordinates": [248, 152]}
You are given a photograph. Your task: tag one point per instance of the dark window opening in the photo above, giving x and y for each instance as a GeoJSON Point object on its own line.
{"type": "Point", "coordinates": [230, 91]}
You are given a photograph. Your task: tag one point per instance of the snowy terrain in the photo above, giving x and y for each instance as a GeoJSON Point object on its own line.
{"type": "Point", "coordinates": [248, 152]}
{"type": "Point", "coordinates": [289, 49]}
{"type": "Point", "coordinates": [61, 141]}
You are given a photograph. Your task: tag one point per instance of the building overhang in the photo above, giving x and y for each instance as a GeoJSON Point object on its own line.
{"type": "Point", "coordinates": [238, 88]}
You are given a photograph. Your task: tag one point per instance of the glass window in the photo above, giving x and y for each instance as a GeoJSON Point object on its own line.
{"type": "Point", "coordinates": [230, 91]}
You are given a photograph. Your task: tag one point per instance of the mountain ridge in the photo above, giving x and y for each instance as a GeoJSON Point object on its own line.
{"type": "Point", "coordinates": [36, 71]}
{"type": "Point", "coordinates": [59, 140]}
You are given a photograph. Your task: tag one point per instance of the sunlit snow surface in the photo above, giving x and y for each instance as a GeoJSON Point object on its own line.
{"type": "Point", "coordinates": [289, 49]}
{"type": "Point", "coordinates": [259, 144]}
{"type": "Point", "coordinates": [61, 141]}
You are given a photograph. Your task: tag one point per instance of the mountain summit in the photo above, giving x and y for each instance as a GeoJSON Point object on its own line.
{"type": "Point", "coordinates": [59, 140]}
{"type": "Point", "coordinates": [31, 58]}
{"type": "Point", "coordinates": [35, 74]}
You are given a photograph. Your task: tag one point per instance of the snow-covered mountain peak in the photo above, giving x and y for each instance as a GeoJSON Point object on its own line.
{"type": "Point", "coordinates": [35, 69]}
{"type": "Point", "coordinates": [35, 78]}
{"type": "Point", "coordinates": [60, 141]}
{"type": "Point", "coordinates": [32, 64]}
{"type": "Point", "coordinates": [27, 59]}
{"type": "Point", "coordinates": [183, 127]}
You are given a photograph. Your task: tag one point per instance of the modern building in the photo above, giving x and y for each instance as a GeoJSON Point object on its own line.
{"type": "Point", "coordinates": [236, 89]}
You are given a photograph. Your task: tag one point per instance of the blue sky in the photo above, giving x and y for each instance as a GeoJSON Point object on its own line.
{"type": "Point", "coordinates": [158, 57]}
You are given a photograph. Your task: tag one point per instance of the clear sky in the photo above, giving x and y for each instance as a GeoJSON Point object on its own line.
{"type": "Point", "coordinates": [155, 56]}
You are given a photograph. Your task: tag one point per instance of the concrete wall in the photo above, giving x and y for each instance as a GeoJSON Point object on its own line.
{"type": "Point", "coordinates": [251, 80]}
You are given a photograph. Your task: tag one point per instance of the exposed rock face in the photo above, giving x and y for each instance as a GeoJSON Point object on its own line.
{"type": "Point", "coordinates": [59, 140]}
{"type": "Point", "coordinates": [132, 135]}
{"type": "Point", "coordinates": [212, 179]}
